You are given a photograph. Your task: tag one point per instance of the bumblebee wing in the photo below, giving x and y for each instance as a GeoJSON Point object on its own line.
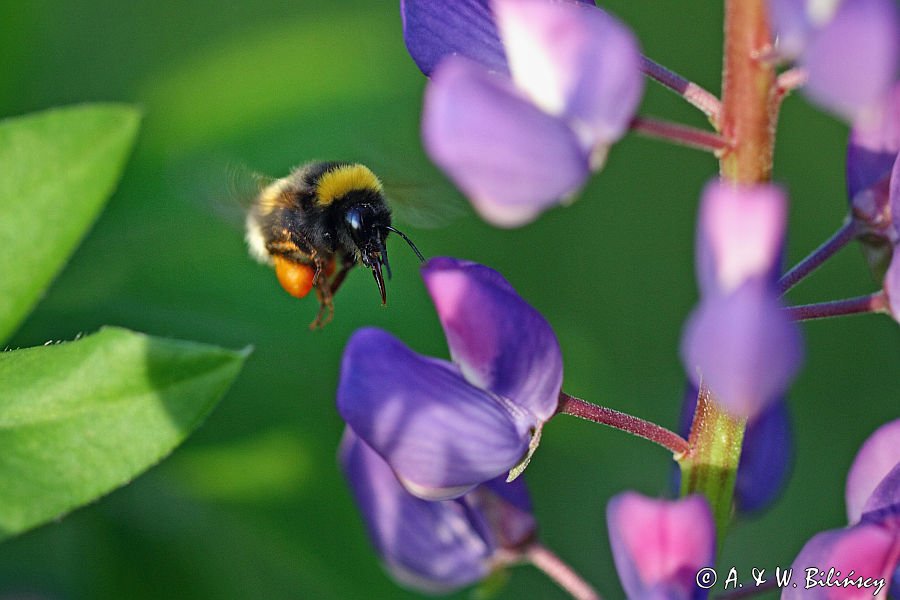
{"type": "Point", "coordinates": [426, 206]}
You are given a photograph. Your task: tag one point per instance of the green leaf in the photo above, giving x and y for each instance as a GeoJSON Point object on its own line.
{"type": "Point", "coordinates": [59, 167]}
{"type": "Point", "coordinates": [81, 418]}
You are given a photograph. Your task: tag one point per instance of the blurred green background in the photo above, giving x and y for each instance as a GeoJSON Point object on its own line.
{"type": "Point", "coordinates": [253, 505]}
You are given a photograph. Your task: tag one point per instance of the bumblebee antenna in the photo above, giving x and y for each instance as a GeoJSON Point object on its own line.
{"type": "Point", "coordinates": [408, 241]}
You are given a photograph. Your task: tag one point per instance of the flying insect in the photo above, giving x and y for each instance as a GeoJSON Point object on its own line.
{"type": "Point", "coordinates": [316, 224]}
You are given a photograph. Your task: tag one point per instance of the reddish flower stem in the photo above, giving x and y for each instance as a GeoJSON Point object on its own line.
{"type": "Point", "coordinates": [552, 566]}
{"type": "Point", "coordinates": [682, 135]}
{"type": "Point", "coordinates": [876, 302]}
{"type": "Point", "coordinates": [817, 257]}
{"type": "Point", "coordinates": [749, 104]}
{"type": "Point", "coordinates": [570, 405]}
{"type": "Point", "coordinates": [706, 101]}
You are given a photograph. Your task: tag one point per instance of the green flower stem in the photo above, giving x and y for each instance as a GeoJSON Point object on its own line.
{"type": "Point", "coordinates": [710, 465]}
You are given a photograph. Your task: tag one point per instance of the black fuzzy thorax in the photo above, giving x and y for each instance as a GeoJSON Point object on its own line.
{"type": "Point", "coordinates": [323, 228]}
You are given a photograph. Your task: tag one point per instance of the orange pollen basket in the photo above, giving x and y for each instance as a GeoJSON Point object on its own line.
{"type": "Point", "coordinates": [295, 278]}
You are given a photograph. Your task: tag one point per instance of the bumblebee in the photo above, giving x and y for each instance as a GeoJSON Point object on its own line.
{"type": "Point", "coordinates": [316, 224]}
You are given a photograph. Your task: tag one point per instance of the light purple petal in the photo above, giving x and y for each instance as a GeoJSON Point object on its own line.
{"type": "Point", "coordinates": [883, 506]}
{"type": "Point", "coordinates": [440, 434]}
{"type": "Point", "coordinates": [509, 157]}
{"type": "Point", "coordinates": [852, 60]}
{"type": "Point", "coordinates": [744, 347]}
{"type": "Point", "coordinates": [892, 285]}
{"type": "Point", "coordinates": [868, 550]}
{"type": "Point", "coordinates": [436, 30]}
{"type": "Point", "coordinates": [429, 546]}
{"type": "Point", "coordinates": [791, 23]}
{"type": "Point", "coordinates": [894, 196]}
{"type": "Point", "coordinates": [506, 506]}
{"type": "Point", "coordinates": [659, 545]}
{"type": "Point", "coordinates": [874, 144]}
{"type": "Point", "coordinates": [498, 340]}
{"type": "Point", "coordinates": [875, 459]}
{"type": "Point", "coordinates": [574, 61]}
{"type": "Point", "coordinates": [740, 235]}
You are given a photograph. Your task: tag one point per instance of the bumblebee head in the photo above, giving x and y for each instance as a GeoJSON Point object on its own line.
{"type": "Point", "coordinates": [368, 226]}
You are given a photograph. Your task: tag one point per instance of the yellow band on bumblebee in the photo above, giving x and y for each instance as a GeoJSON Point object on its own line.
{"type": "Point", "coordinates": [347, 178]}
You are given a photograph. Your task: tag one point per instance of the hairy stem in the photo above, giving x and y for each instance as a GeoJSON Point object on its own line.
{"type": "Point", "coordinates": [872, 303]}
{"type": "Point", "coordinates": [682, 135]}
{"type": "Point", "coordinates": [706, 101]}
{"type": "Point", "coordinates": [710, 466]}
{"type": "Point", "coordinates": [748, 98]}
{"type": "Point", "coordinates": [817, 257]}
{"type": "Point", "coordinates": [570, 405]}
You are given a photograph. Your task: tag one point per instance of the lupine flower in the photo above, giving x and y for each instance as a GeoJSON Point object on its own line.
{"type": "Point", "coordinates": [849, 48]}
{"type": "Point", "coordinates": [871, 153]}
{"type": "Point", "coordinates": [435, 546]}
{"type": "Point", "coordinates": [892, 276]}
{"type": "Point", "coordinates": [520, 126]}
{"type": "Point", "coordinates": [445, 427]}
{"type": "Point", "coordinates": [660, 545]}
{"type": "Point", "coordinates": [766, 454]}
{"type": "Point", "coordinates": [870, 547]}
{"type": "Point", "coordinates": [739, 340]}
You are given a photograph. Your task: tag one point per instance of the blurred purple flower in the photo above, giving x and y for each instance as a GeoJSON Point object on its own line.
{"type": "Point", "coordinates": [870, 546]}
{"type": "Point", "coordinates": [849, 48]}
{"type": "Point", "coordinates": [435, 546]}
{"type": "Point", "coordinates": [739, 340]}
{"type": "Point", "coordinates": [520, 126]}
{"type": "Point", "coordinates": [892, 276]}
{"type": "Point", "coordinates": [445, 427]}
{"type": "Point", "coordinates": [871, 154]}
{"type": "Point", "coordinates": [660, 545]}
{"type": "Point", "coordinates": [766, 454]}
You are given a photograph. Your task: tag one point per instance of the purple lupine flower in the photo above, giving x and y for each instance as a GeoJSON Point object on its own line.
{"type": "Point", "coordinates": [435, 30]}
{"type": "Point", "coordinates": [865, 556]}
{"type": "Point", "coordinates": [878, 455]}
{"type": "Point", "coordinates": [445, 427]}
{"type": "Point", "coordinates": [850, 49]}
{"type": "Point", "coordinates": [660, 545]}
{"type": "Point", "coordinates": [517, 144]}
{"type": "Point", "coordinates": [766, 454]}
{"type": "Point", "coordinates": [739, 341]}
{"type": "Point", "coordinates": [892, 275]}
{"type": "Point", "coordinates": [434, 546]}
{"type": "Point", "coordinates": [871, 153]}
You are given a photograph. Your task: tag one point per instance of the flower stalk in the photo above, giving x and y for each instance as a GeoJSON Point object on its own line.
{"type": "Point", "coordinates": [817, 257]}
{"type": "Point", "coordinates": [681, 135]}
{"type": "Point", "coordinates": [697, 96]}
{"type": "Point", "coordinates": [557, 570]}
{"type": "Point", "coordinates": [871, 303]}
{"type": "Point", "coordinates": [577, 407]}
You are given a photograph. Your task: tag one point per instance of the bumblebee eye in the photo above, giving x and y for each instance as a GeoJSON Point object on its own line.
{"type": "Point", "coordinates": [354, 219]}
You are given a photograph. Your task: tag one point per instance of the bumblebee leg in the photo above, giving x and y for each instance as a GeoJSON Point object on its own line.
{"type": "Point", "coordinates": [324, 291]}
{"type": "Point", "coordinates": [341, 275]}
